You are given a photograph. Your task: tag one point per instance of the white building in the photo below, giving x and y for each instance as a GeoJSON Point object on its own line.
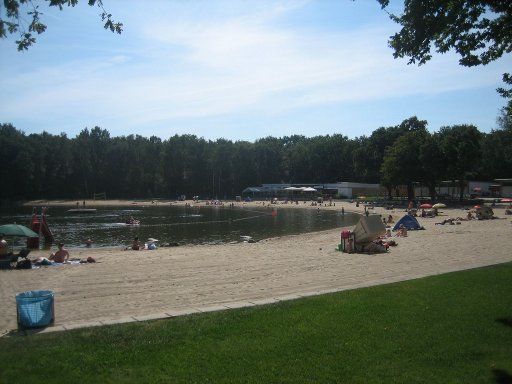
{"type": "Point", "coordinates": [340, 189]}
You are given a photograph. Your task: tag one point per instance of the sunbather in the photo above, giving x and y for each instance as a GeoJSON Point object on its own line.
{"type": "Point", "coordinates": [446, 221]}
{"type": "Point", "coordinates": [402, 231]}
{"type": "Point", "coordinates": [41, 261]}
{"type": "Point", "coordinates": [61, 256]}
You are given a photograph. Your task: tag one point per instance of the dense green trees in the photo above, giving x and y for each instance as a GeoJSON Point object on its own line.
{"type": "Point", "coordinates": [457, 153]}
{"type": "Point", "coordinates": [55, 166]}
{"type": "Point", "coordinates": [401, 165]}
{"type": "Point", "coordinates": [461, 148]}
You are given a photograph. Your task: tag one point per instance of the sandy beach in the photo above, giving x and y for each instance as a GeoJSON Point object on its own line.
{"type": "Point", "coordinates": [139, 283]}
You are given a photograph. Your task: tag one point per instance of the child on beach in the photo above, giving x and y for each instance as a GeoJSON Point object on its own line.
{"type": "Point", "coordinates": [136, 244]}
{"type": "Point", "coordinates": [402, 231]}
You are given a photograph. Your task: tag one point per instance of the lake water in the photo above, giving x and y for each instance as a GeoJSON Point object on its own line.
{"type": "Point", "coordinates": [179, 224]}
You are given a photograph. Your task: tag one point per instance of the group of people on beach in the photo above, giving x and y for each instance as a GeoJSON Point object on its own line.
{"type": "Point", "coordinates": [60, 257]}
{"type": "Point", "coordinates": [457, 220]}
{"type": "Point", "coordinates": [138, 246]}
{"type": "Point", "coordinates": [387, 221]}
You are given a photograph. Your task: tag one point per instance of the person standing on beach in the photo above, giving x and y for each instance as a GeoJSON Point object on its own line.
{"type": "Point", "coordinates": [4, 248]}
{"type": "Point", "coordinates": [342, 211]}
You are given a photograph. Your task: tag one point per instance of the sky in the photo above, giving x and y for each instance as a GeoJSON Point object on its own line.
{"type": "Point", "coordinates": [239, 70]}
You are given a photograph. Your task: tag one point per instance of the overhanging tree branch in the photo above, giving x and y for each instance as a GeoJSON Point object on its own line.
{"type": "Point", "coordinates": [12, 22]}
{"type": "Point", "coordinates": [478, 30]}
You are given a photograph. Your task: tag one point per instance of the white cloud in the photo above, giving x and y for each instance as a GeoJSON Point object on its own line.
{"type": "Point", "coordinates": [197, 67]}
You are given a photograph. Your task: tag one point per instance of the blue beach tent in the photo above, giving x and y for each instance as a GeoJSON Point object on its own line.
{"type": "Point", "coordinates": [409, 222]}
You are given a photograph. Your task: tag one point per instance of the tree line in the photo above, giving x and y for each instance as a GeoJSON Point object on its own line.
{"type": "Point", "coordinates": [56, 166]}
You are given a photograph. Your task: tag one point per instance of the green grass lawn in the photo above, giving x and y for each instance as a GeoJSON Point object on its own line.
{"type": "Point", "coordinates": [453, 328]}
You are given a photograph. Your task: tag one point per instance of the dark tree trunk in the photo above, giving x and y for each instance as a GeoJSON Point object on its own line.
{"type": "Point", "coordinates": [432, 192]}
{"type": "Point", "coordinates": [461, 189]}
{"type": "Point", "coordinates": [410, 192]}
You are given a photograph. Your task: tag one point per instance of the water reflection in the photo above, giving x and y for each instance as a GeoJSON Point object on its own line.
{"type": "Point", "coordinates": [184, 225]}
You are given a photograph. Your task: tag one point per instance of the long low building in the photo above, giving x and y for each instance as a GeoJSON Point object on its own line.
{"type": "Point", "coordinates": [307, 190]}
{"type": "Point", "coordinates": [350, 190]}
{"type": "Point", "coordinates": [504, 187]}
{"type": "Point", "coordinates": [496, 188]}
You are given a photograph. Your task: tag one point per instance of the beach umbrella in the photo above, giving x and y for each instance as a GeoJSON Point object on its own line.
{"type": "Point", "coordinates": [17, 230]}
{"type": "Point", "coordinates": [439, 205]}
{"type": "Point", "coordinates": [506, 200]}
{"type": "Point", "coordinates": [426, 206]}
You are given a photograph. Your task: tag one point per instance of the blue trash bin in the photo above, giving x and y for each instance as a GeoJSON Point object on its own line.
{"type": "Point", "coordinates": [35, 309]}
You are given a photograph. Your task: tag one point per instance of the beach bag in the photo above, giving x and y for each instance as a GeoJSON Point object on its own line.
{"type": "Point", "coordinates": [35, 309]}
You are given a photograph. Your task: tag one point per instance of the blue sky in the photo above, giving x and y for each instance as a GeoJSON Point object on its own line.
{"type": "Point", "coordinates": [240, 70]}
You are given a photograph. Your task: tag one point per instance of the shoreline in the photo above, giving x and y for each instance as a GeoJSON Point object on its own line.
{"type": "Point", "coordinates": [348, 207]}
{"type": "Point", "coordinates": [337, 204]}
{"type": "Point", "coordinates": [128, 284]}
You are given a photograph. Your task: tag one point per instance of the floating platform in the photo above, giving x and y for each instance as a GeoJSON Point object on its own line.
{"type": "Point", "coordinates": [82, 210]}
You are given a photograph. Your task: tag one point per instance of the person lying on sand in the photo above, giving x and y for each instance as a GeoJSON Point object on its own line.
{"type": "Point", "coordinates": [447, 221]}
{"type": "Point", "coordinates": [41, 261]}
